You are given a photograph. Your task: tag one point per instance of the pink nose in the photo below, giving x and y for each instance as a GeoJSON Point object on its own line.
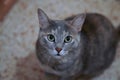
{"type": "Point", "coordinates": [58, 49]}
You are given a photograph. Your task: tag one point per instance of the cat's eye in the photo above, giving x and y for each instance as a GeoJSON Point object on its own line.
{"type": "Point", "coordinates": [51, 37]}
{"type": "Point", "coordinates": [68, 39]}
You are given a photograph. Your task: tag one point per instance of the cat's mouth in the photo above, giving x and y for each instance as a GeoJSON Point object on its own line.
{"type": "Point", "coordinates": [61, 54]}
{"type": "Point", "coordinates": [57, 55]}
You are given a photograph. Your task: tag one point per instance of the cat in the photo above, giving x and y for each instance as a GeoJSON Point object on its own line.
{"type": "Point", "coordinates": [81, 46]}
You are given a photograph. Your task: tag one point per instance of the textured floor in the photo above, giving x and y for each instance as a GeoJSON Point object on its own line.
{"type": "Point", "coordinates": [19, 31]}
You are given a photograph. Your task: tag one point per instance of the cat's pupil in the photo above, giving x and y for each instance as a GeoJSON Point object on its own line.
{"type": "Point", "coordinates": [51, 37]}
{"type": "Point", "coordinates": [68, 39]}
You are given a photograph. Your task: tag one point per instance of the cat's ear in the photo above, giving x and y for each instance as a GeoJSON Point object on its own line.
{"type": "Point", "coordinates": [43, 19]}
{"type": "Point", "coordinates": [78, 22]}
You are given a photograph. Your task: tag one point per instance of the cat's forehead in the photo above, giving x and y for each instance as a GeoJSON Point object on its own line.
{"type": "Point", "coordinates": [60, 25]}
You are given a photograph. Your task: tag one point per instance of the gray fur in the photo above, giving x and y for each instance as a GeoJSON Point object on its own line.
{"type": "Point", "coordinates": [90, 52]}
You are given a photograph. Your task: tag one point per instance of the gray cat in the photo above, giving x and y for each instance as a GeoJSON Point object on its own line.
{"type": "Point", "coordinates": [81, 46]}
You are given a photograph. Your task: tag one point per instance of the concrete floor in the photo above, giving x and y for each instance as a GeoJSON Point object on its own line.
{"type": "Point", "coordinates": [19, 32]}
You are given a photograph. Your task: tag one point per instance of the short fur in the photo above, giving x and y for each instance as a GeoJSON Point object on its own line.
{"type": "Point", "coordinates": [90, 53]}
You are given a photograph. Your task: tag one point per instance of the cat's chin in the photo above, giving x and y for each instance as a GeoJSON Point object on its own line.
{"type": "Point", "coordinates": [58, 57]}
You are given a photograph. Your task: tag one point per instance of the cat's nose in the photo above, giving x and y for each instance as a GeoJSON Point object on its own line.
{"type": "Point", "coordinates": [58, 49]}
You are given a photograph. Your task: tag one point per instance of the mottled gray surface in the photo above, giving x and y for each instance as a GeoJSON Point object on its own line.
{"type": "Point", "coordinates": [19, 32]}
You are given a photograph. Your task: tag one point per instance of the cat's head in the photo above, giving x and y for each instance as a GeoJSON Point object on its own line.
{"type": "Point", "coordinates": [59, 37]}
